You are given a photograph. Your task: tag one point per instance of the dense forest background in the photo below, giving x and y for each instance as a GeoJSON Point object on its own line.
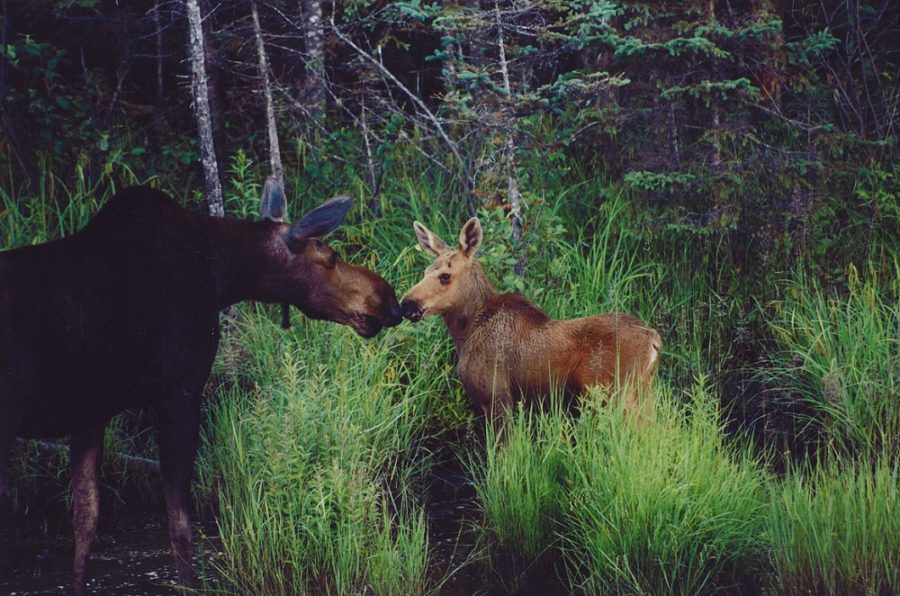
{"type": "Point", "coordinates": [771, 124]}
{"type": "Point", "coordinates": [728, 170]}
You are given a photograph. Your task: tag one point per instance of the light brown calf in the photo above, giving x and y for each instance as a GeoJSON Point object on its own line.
{"type": "Point", "coordinates": [509, 349]}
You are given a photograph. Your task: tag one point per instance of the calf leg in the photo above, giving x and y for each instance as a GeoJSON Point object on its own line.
{"type": "Point", "coordinates": [500, 406]}
{"type": "Point", "coordinates": [639, 400]}
{"type": "Point", "coordinates": [178, 429]}
{"type": "Point", "coordinates": [85, 453]}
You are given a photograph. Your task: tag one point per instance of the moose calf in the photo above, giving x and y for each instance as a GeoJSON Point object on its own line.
{"type": "Point", "coordinates": [509, 349]}
{"type": "Point", "coordinates": [125, 314]}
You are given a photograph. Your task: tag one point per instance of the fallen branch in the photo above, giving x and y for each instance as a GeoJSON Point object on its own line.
{"type": "Point", "coordinates": [131, 463]}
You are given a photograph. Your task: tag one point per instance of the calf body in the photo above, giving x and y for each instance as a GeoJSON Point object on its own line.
{"type": "Point", "coordinates": [509, 349]}
{"type": "Point", "coordinates": [125, 313]}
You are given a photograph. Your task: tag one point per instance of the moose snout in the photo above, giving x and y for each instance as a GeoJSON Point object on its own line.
{"type": "Point", "coordinates": [411, 310]}
{"type": "Point", "coordinates": [393, 312]}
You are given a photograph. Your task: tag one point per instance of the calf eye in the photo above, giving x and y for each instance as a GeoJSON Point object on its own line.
{"type": "Point", "coordinates": [445, 278]}
{"type": "Point", "coordinates": [332, 260]}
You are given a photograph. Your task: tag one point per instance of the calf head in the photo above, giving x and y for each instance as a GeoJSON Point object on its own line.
{"type": "Point", "coordinates": [452, 277]}
{"type": "Point", "coordinates": [305, 272]}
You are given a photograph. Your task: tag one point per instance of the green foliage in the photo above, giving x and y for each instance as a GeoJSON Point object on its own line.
{"type": "Point", "coordinates": [710, 91]}
{"type": "Point", "coordinates": [803, 52]}
{"type": "Point", "coordinates": [417, 10]}
{"type": "Point", "coordinates": [242, 197]}
{"type": "Point", "coordinates": [659, 182]}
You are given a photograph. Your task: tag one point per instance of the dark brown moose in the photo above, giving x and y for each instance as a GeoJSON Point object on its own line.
{"type": "Point", "coordinates": [509, 349]}
{"type": "Point", "coordinates": [125, 314]}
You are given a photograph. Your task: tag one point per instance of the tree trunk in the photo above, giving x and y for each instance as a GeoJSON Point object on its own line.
{"type": "Point", "coordinates": [157, 26]}
{"type": "Point", "coordinates": [202, 112]}
{"type": "Point", "coordinates": [374, 177]}
{"type": "Point", "coordinates": [513, 194]}
{"type": "Point", "coordinates": [271, 124]}
{"type": "Point", "coordinates": [214, 81]}
{"type": "Point", "coordinates": [314, 34]}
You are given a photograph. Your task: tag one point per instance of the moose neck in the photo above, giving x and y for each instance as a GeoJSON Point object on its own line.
{"type": "Point", "coordinates": [244, 256]}
{"type": "Point", "coordinates": [460, 320]}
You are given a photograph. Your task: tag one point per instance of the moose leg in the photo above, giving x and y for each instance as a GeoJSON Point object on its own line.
{"type": "Point", "coordinates": [5, 452]}
{"type": "Point", "coordinates": [178, 427]}
{"type": "Point", "coordinates": [85, 453]}
{"type": "Point", "coordinates": [9, 422]}
{"type": "Point", "coordinates": [5, 484]}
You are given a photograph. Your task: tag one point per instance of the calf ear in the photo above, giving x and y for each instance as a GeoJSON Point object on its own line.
{"type": "Point", "coordinates": [470, 237]}
{"type": "Point", "coordinates": [271, 203]}
{"type": "Point", "coordinates": [321, 220]}
{"type": "Point", "coordinates": [429, 241]}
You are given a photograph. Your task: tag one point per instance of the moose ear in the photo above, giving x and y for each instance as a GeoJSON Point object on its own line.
{"type": "Point", "coordinates": [429, 241]}
{"type": "Point", "coordinates": [271, 203]}
{"type": "Point", "coordinates": [470, 237]}
{"type": "Point", "coordinates": [321, 220]}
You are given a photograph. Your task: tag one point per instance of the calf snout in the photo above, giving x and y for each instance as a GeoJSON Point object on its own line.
{"type": "Point", "coordinates": [411, 310]}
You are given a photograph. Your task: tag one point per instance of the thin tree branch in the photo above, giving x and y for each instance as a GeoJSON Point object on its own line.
{"type": "Point", "coordinates": [412, 96]}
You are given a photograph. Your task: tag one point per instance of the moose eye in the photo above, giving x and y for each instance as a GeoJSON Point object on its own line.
{"type": "Point", "coordinates": [332, 260]}
{"type": "Point", "coordinates": [445, 278]}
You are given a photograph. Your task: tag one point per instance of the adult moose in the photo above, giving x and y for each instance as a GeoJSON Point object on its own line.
{"type": "Point", "coordinates": [509, 349]}
{"type": "Point", "coordinates": [125, 313]}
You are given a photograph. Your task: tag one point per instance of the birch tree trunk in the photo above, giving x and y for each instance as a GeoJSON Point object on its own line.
{"type": "Point", "coordinates": [214, 80]}
{"type": "Point", "coordinates": [513, 194]}
{"type": "Point", "coordinates": [314, 33]}
{"type": "Point", "coordinates": [201, 111]}
{"type": "Point", "coordinates": [271, 125]}
{"type": "Point", "coordinates": [157, 26]}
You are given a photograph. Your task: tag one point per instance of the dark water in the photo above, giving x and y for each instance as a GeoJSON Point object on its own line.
{"type": "Point", "coordinates": [131, 556]}
{"type": "Point", "coordinates": [451, 512]}
{"type": "Point", "coordinates": [453, 515]}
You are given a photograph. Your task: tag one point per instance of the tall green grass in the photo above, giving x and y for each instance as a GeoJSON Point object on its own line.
{"type": "Point", "coordinates": [837, 362]}
{"type": "Point", "coordinates": [672, 507]}
{"type": "Point", "coordinates": [311, 461]}
{"type": "Point", "coordinates": [520, 480]}
{"type": "Point", "coordinates": [835, 529]}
